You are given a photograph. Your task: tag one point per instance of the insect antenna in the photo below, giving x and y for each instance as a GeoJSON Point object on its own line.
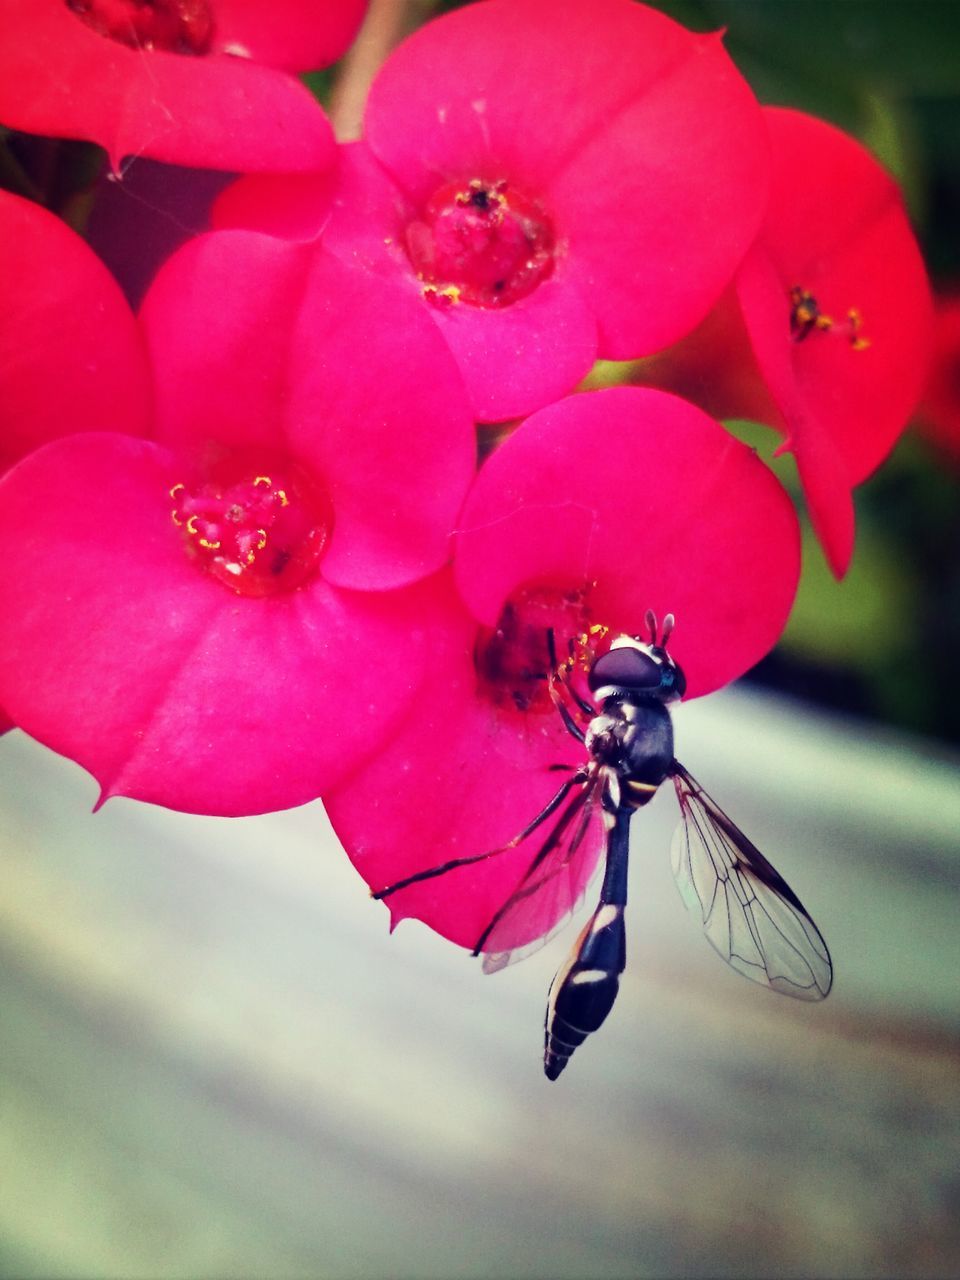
{"type": "Point", "coordinates": [669, 622]}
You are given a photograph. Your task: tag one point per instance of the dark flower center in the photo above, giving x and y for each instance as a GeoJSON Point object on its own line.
{"type": "Point", "coordinates": [513, 658]}
{"type": "Point", "coordinates": [176, 26]}
{"type": "Point", "coordinates": [806, 318]}
{"type": "Point", "coordinates": [261, 532]}
{"type": "Point", "coordinates": [483, 243]}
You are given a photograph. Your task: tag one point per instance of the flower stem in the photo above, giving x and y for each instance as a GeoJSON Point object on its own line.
{"type": "Point", "coordinates": [386, 24]}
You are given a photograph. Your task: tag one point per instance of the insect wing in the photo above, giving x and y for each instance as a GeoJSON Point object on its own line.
{"type": "Point", "coordinates": [751, 916]}
{"type": "Point", "coordinates": [553, 885]}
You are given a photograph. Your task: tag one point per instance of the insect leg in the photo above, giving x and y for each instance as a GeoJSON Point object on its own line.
{"type": "Point", "coordinates": [560, 672]}
{"type": "Point", "coordinates": [553, 680]}
{"type": "Point", "coordinates": [581, 804]}
{"type": "Point", "coordinates": [550, 807]}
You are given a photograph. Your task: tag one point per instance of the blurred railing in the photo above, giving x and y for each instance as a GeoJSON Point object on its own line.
{"type": "Point", "coordinates": [215, 1062]}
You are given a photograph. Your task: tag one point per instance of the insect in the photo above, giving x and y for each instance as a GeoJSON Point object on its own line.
{"type": "Point", "coordinates": [750, 915]}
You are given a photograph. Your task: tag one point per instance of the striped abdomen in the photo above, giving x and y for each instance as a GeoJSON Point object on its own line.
{"type": "Point", "coordinates": [585, 988]}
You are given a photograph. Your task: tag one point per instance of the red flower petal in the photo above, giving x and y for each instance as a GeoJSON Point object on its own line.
{"type": "Point", "coordinates": [260, 342]}
{"type": "Point", "coordinates": [836, 229]}
{"type": "Point", "coordinates": [121, 653]}
{"type": "Point", "coordinates": [662, 203]}
{"type": "Point", "coordinates": [677, 516]}
{"type": "Point", "coordinates": [463, 776]}
{"type": "Point", "coordinates": [71, 357]}
{"type": "Point", "coordinates": [527, 354]}
{"type": "Point", "coordinates": [60, 77]}
{"type": "Point", "coordinates": [298, 35]}
{"type": "Point", "coordinates": [299, 206]}
{"type": "Point", "coordinates": [293, 206]}
{"type": "Point", "coordinates": [828, 491]}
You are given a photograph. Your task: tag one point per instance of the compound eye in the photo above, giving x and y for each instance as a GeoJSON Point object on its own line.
{"type": "Point", "coordinates": [626, 668]}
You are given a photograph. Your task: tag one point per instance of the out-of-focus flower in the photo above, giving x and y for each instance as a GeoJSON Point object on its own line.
{"type": "Point", "coordinates": [193, 82]}
{"type": "Point", "coordinates": [826, 332]}
{"type": "Point", "coordinates": [558, 179]}
{"type": "Point", "coordinates": [71, 355]}
{"type": "Point", "coordinates": [595, 510]}
{"type": "Point", "coordinates": [214, 620]}
{"type": "Point", "coordinates": [837, 307]}
{"type": "Point", "coordinates": [939, 417]}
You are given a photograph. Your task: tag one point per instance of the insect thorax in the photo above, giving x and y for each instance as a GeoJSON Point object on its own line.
{"type": "Point", "coordinates": [633, 734]}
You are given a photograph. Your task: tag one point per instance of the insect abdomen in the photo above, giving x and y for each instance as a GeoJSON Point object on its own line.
{"type": "Point", "coordinates": [585, 988]}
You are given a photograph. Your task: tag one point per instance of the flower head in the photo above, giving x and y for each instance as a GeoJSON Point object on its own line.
{"type": "Point", "coordinates": [204, 620]}
{"type": "Point", "coordinates": [556, 181]}
{"type": "Point", "coordinates": [837, 308]}
{"type": "Point", "coordinates": [595, 510]}
{"type": "Point", "coordinates": [825, 332]}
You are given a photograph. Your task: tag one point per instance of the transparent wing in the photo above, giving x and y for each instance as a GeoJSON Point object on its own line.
{"type": "Point", "coordinates": [751, 916]}
{"type": "Point", "coordinates": [553, 885]}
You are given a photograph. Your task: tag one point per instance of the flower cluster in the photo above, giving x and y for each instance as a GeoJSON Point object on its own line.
{"type": "Point", "coordinates": [250, 556]}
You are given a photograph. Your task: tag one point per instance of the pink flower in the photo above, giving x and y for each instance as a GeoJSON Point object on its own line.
{"type": "Point", "coordinates": [825, 334]}
{"type": "Point", "coordinates": [229, 618]}
{"type": "Point", "coordinates": [71, 356]}
{"type": "Point", "coordinates": [596, 509]}
{"type": "Point", "coordinates": [837, 308]}
{"type": "Point", "coordinates": [558, 179]}
{"type": "Point", "coordinates": [193, 82]}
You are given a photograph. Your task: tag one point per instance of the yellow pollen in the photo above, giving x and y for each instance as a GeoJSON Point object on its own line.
{"type": "Point", "coordinates": [282, 495]}
{"type": "Point", "coordinates": [583, 645]}
{"type": "Point", "coordinates": [450, 292]}
{"type": "Point", "coordinates": [807, 316]}
{"type": "Point", "coordinates": [263, 482]}
{"type": "Point", "coordinates": [262, 540]}
{"type": "Point", "coordinates": [192, 525]}
{"type": "Point", "coordinates": [858, 342]}
{"type": "Point", "coordinates": [210, 546]}
{"type": "Point", "coordinates": [174, 516]}
{"type": "Point", "coordinates": [177, 489]}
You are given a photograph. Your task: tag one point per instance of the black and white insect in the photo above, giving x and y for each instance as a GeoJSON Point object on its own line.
{"type": "Point", "coordinates": [750, 915]}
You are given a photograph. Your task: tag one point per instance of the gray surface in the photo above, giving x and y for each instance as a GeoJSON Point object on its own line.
{"type": "Point", "coordinates": [215, 1062]}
